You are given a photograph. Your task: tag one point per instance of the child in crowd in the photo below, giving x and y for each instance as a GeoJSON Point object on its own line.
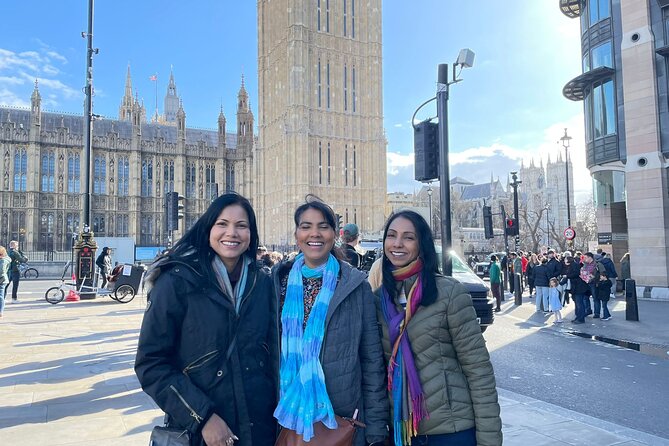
{"type": "Point", "coordinates": [554, 300]}
{"type": "Point", "coordinates": [601, 300]}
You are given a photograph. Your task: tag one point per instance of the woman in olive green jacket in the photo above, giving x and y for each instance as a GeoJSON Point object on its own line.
{"type": "Point", "coordinates": [441, 381]}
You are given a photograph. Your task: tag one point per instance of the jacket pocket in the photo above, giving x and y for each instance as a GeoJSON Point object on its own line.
{"type": "Point", "coordinates": [200, 362]}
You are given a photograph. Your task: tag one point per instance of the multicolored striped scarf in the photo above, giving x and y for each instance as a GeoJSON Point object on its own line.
{"type": "Point", "coordinates": [304, 398]}
{"type": "Point", "coordinates": [403, 381]}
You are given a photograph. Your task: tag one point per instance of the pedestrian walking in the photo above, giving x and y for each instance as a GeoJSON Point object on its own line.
{"type": "Point", "coordinates": [589, 274]}
{"type": "Point", "coordinates": [331, 353]}
{"type": "Point", "coordinates": [208, 347]}
{"type": "Point", "coordinates": [4, 276]}
{"type": "Point", "coordinates": [440, 378]}
{"type": "Point", "coordinates": [495, 274]}
{"type": "Point", "coordinates": [104, 264]}
{"type": "Point", "coordinates": [17, 257]}
{"type": "Point", "coordinates": [541, 283]}
{"type": "Point", "coordinates": [611, 272]}
{"type": "Point", "coordinates": [601, 298]}
{"type": "Point", "coordinates": [533, 262]}
{"type": "Point", "coordinates": [554, 303]}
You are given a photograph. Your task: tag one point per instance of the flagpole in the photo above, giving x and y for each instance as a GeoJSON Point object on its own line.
{"type": "Point", "coordinates": [155, 81]}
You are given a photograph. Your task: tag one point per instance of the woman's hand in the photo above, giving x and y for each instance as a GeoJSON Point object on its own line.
{"type": "Point", "coordinates": [217, 433]}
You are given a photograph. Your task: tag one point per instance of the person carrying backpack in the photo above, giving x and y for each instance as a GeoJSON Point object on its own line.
{"type": "Point", "coordinates": [16, 257]}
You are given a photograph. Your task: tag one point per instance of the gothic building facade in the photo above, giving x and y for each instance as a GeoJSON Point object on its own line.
{"type": "Point", "coordinates": [320, 113]}
{"type": "Point", "coordinates": [134, 164]}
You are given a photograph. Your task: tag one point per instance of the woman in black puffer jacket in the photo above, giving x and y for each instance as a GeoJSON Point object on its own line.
{"type": "Point", "coordinates": [208, 347]}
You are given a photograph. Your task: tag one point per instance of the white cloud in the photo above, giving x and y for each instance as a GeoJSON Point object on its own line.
{"type": "Point", "coordinates": [478, 164]}
{"type": "Point", "coordinates": [399, 126]}
{"type": "Point", "coordinates": [18, 71]}
{"type": "Point", "coordinates": [9, 98]}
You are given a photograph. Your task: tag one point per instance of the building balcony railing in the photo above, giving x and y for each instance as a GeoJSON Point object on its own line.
{"type": "Point", "coordinates": [571, 8]}
{"type": "Point", "coordinates": [575, 88]}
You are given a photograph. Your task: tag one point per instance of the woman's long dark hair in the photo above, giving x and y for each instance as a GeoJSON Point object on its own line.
{"type": "Point", "coordinates": [427, 253]}
{"type": "Point", "coordinates": [313, 202]}
{"type": "Point", "coordinates": [194, 245]}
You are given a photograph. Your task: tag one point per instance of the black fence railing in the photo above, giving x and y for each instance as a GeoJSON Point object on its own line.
{"type": "Point", "coordinates": [48, 256]}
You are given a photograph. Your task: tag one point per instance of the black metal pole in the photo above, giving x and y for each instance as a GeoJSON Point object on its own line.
{"type": "Point", "coordinates": [565, 143]}
{"type": "Point", "coordinates": [88, 117]}
{"type": "Point", "coordinates": [505, 271]}
{"type": "Point", "coordinates": [444, 175]}
{"type": "Point", "coordinates": [515, 184]}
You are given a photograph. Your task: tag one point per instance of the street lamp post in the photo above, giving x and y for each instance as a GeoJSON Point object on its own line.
{"type": "Point", "coordinates": [565, 143]}
{"type": "Point", "coordinates": [465, 60]}
{"type": "Point", "coordinates": [515, 184]}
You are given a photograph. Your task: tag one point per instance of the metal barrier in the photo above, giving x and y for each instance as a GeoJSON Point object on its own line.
{"type": "Point", "coordinates": [631, 307]}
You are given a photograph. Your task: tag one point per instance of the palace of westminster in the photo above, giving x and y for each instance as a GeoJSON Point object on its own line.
{"type": "Point", "coordinates": [320, 131]}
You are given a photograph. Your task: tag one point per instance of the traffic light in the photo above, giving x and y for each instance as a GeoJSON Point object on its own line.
{"type": "Point", "coordinates": [511, 226]}
{"type": "Point", "coordinates": [340, 223]}
{"type": "Point", "coordinates": [175, 209]}
{"type": "Point", "coordinates": [426, 151]}
{"type": "Point", "coordinates": [487, 222]}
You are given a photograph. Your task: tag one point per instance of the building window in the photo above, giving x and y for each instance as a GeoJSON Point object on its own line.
{"type": "Point", "coordinates": [230, 178]}
{"type": "Point", "coordinates": [48, 172]}
{"type": "Point", "coordinates": [327, 16]}
{"type": "Point", "coordinates": [190, 180]}
{"type": "Point", "coordinates": [123, 167]}
{"type": "Point", "coordinates": [46, 230]}
{"type": "Point", "coordinates": [345, 18]}
{"type": "Point", "coordinates": [353, 19]}
{"type": "Point", "coordinates": [20, 170]}
{"type": "Point", "coordinates": [210, 182]}
{"type": "Point", "coordinates": [600, 106]}
{"type": "Point", "coordinates": [146, 237]}
{"type": "Point", "coordinates": [18, 229]}
{"type": "Point", "coordinates": [168, 177]}
{"type": "Point", "coordinates": [346, 167]}
{"type": "Point", "coordinates": [73, 173]}
{"type": "Point", "coordinates": [345, 88]}
{"type": "Point", "coordinates": [319, 82]}
{"type": "Point", "coordinates": [320, 162]}
{"type": "Point", "coordinates": [327, 80]}
{"type": "Point", "coordinates": [122, 226]}
{"type": "Point", "coordinates": [99, 175]}
{"type": "Point", "coordinates": [355, 216]}
{"type": "Point", "coordinates": [355, 168]}
{"type": "Point", "coordinates": [72, 223]}
{"type": "Point", "coordinates": [99, 224]}
{"type": "Point", "coordinates": [602, 56]}
{"type": "Point", "coordinates": [318, 15]}
{"type": "Point", "coordinates": [147, 178]}
{"type": "Point", "coordinates": [354, 98]}
{"type": "Point", "coordinates": [329, 164]}
{"type": "Point", "coordinates": [598, 10]}
{"type": "Point", "coordinates": [586, 62]}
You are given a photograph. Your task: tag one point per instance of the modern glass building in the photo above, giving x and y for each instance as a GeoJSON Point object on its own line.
{"type": "Point", "coordinates": [623, 86]}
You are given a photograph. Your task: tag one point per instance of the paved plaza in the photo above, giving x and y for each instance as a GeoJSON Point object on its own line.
{"type": "Point", "coordinates": [66, 378]}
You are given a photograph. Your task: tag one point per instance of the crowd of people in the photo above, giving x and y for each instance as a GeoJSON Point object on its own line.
{"type": "Point", "coordinates": [236, 349]}
{"type": "Point", "coordinates": [553, 279]}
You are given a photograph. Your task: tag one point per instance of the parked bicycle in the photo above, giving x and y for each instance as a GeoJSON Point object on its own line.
{"type": "Point", "coordinates": [28, 272]}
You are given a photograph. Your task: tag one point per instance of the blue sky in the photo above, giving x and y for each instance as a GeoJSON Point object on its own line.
{"type": "Point", "coordinates": [508, 108]}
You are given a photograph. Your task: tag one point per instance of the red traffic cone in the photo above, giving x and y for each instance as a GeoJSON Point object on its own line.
{"type": "Point", "coordinates": [72, 296]}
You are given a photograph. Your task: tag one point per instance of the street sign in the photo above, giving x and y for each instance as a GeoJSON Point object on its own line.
{"type": "Point", "coordinates": [570, 233]}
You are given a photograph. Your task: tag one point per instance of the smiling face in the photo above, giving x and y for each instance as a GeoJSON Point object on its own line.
{"type": "Point", "coordinates": [401, 245]}
{"type": "Point", "coordinates": [315, 237]}
{"type": "Point", "coordinates": [231, 235]}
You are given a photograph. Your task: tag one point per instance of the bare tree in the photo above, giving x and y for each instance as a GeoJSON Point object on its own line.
{"type": "Point", "coordinates": [532, 222]}
{"type": "Point", "coordinates": [586, 223]}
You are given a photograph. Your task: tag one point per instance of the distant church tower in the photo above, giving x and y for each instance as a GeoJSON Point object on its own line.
{"type": "Point", "coordinates": [171, 101]}
{"type": "Point", "coordinates": [320, 113]}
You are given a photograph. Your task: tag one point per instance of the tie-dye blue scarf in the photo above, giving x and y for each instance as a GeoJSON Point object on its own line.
{"type": "Point", "coordinates": [304, 398]}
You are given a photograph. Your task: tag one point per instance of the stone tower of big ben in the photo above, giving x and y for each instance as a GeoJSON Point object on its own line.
{"type": "Point", "coordinates": [320, 113]}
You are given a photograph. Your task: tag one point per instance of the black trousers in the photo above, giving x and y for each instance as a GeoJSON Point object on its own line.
{"type": "Point", "coordinates": [14, 279]}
